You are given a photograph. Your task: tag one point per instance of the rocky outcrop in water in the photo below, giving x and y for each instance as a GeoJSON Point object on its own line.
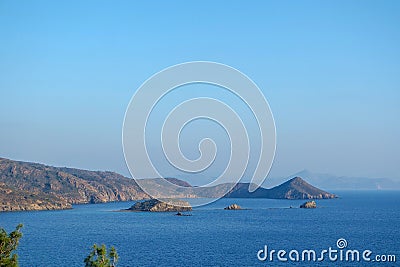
{"type": "Point", "coordinates": [309, 205]}
{"type": "Point", "coordinates": [233, 207]}
{"type": "Point", "coordinates": [165, 205]}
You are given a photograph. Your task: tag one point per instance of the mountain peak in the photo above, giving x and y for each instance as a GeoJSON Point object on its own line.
{"type": "Point", "coordinates": [296, 180]}
{"type": "Point", "coordinates": [297, 187]}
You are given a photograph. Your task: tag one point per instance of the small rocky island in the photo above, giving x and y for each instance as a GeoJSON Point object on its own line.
{"type": "Point", "coordinates": [164, 205]}
{"type": "Point", "coordinates": [233, 207]}
{"type": "Point", "coordinates": [308, 205]}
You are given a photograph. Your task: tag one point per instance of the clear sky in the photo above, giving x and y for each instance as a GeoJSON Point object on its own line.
{"type": "Point", "coordinates": [329, 69]}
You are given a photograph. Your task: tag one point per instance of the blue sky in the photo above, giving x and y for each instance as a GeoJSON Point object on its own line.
{"type": "Point", "coordinates": [329, 69]}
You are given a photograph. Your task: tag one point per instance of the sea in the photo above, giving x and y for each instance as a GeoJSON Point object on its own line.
{"type": "Point", "coordinates": [364, 221]}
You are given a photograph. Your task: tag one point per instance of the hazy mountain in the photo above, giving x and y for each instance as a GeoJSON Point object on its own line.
{"type": "Point", "coordinates": [178, 182]}
{"type": "Point", "coordinates": [332, 182]}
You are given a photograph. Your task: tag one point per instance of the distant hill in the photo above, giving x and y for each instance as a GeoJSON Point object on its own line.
{"type": "Point", "coordinates": [295, 188]}
{"type": "Point", "coordinates": [334, 182]}
{"type": "Point", "coordinates": [33, 186]}
{"type": "Point", "coordinates": [178, 182]}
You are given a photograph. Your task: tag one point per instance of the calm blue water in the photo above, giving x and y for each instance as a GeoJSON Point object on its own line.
{"type": "Point", "coordinates": [212, 236]}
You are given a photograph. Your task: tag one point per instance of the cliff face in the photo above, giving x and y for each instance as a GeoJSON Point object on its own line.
{"type": "Point", "coordinates": [31, 186]}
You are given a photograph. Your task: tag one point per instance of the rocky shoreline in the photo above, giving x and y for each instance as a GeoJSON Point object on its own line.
{"type": "Point", "coordinates": [16, 200]}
